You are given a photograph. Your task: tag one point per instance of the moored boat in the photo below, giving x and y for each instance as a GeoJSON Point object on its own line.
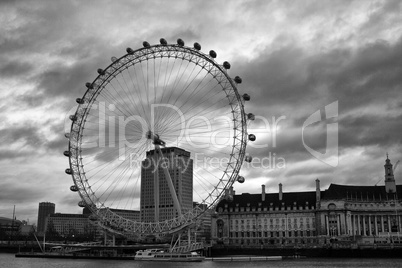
{"type": "Point", "coordinates": [160, 255]}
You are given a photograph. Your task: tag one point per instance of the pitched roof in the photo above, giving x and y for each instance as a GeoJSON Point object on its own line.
{"type": "Point", "coordinates": [255, 200]}
{"type": "Point", "coordinates": [359, 193]}
{"type": "Point", "coordinates": [8, 221]}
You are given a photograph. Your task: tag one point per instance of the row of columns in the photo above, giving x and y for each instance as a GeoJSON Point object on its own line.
{"type": "Point", "coordinates": [360, 224]}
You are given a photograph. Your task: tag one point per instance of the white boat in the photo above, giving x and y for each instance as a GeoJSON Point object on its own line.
{"type": "Point", "coordinates": [160, 255]}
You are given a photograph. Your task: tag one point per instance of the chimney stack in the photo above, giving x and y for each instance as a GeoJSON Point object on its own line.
{"type": "Point", "coordinates": [317, 193]}
{"type": "Point", "coordinates": [280, 191]}
{"type": "Point", "coordinates": [231, 191]}
{"type": "Point", "coordinates": [263, 193]}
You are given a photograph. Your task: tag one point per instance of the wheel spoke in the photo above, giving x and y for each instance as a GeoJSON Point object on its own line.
{"type": "Point", "coordinates": [184, 99]}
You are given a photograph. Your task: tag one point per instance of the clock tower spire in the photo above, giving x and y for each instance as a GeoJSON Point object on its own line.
{"type": "Point", "coordinates": [390, 186]}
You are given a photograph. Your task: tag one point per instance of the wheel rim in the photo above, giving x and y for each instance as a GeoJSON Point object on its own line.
{"type": "Point", "coordinates": [180, 84]}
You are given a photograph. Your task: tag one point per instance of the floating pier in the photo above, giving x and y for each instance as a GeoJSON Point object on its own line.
{"type": "Point", "coordinates": [246, 258]}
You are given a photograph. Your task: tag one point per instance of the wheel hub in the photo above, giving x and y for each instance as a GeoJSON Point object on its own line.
{"type": "Point", "coordinates": [155, 138]}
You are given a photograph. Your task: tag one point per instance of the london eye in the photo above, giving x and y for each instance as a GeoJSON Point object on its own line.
{"type": "Point", "coordinates": [161, 130]}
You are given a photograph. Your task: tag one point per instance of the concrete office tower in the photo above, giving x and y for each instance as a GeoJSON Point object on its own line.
{"type": "Point", "coordinates": [156, 202]}
{"type": "Point", "coordinates": [45, 209]}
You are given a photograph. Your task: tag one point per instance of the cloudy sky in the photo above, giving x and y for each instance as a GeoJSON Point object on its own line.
{"type": "Point", "coordinates": [295, 58]}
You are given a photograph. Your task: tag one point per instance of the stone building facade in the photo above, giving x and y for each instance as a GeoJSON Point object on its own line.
{"type": "Point", "coordinates": [340, 213]}
{"type": "Point", "coordinates": [266, 219]}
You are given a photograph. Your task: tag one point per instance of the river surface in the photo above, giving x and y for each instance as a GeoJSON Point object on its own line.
{"type": "Point", "coordinates": [9, 261]}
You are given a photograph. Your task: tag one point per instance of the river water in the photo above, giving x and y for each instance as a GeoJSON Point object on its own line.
{"type": "Point", "coordinates": [9, 261]}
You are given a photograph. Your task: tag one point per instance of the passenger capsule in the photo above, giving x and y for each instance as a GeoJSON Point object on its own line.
{"type": "Point", "coordinates": [67, 153]}
{"type": "Point", "coordinates": [129, 50]}
{"type": "Point", "coordinates": [73, 117]}
{"type": "Point", "coordinates": [197, 46]}
{"type": "Point", "coordinates": [180, 42]}
{"type": "Point", "coordinates": [240, 179]}
{"type": "Point", "coordinates": [251, 137]}
{"type": "Point", "coordinates": [226, 65]}
{"type": "Point", "coordinates": [238, 80]}
{"type": "Point", "coordinates": [89, 85]}
{"type": "Point", "coordinates": [212, 54]}
{"type": "Point", "coordinates": [248, 159]}
{"type": "Point", "coordinates": [81, 204]}
{"type": "Point", "coordinates": [79, 101]}
{"type": "Point", "coordinates": [251, 116]}
{"type": "Point", "coordinates": [101, 71]}
{"type": "Point", "coordinates": [163, 41]}
{"type": "Point", "coordinates": [146, 44]}
{"type": "Point", "coordinates": [113, 59]}
{"type": "Point", "coordinates": [68, 171]}
{"type": "Point", "coordinates": [246, 97]}
{"type": "Point", "coordinates": [67, 135]}
{"type": "Point", "coordinates": [73, 188]}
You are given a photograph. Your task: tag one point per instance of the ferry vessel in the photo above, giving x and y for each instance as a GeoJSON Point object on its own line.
{"type": "Point", "coordinates": [160, 255]}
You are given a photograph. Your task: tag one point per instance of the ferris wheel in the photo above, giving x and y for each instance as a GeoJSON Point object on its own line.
{"type": "Point", "coordinates": [161, 130]}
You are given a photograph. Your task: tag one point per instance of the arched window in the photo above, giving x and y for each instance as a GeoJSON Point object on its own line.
{"type": "Point", "coordinates": [219, 225]}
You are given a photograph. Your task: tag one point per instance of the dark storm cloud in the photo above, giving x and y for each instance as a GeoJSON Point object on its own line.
{"type": "Point", "coordinates": [275, 77]}
{"type": "Point", "coordinates": [29, 191]}
{"type": "Point", "coordinates": [288, 77]}
{"type": "Point", "coordinates": [27, 134]}
{"type": "Point", "coordinates": [31, 137]}
{"type": "Point", "coordinates": [17, 191]}
{"type": "Point", "coordinates": [184, 34]}
{"type": "Point", "coordinates": [13, 69]}
{"type": "Point", "coordinates": [70, 199]}
{"type": "Point", "coordinates": [63, 81]}
{"type": "Point", "coordinates": [290, 83]}
{"type": "Point", "coordinates": [31, 99]}
{"type": "Point", "coordinates": [59, 144]}
{"type": "Point", "coordinates": [40, 30]}
{"type": "Point", "coordinates": [373, 76]}
{"type": "Point", "coordinates": [10, 154]}
{"type": "Point", "coordinates": [370, 130]}
{"type": "Point", "coordinates": [294, 58]}
{"type": "Point", "coordinates": [34, 26]}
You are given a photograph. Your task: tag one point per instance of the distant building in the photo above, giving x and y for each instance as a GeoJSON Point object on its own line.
{"type": "Point", "coordinates": [14, 227]}
{"type": "Point", "coordinates": [67, 225]}
{"type": "Point", "coordinates": [156, 201]}
{"type": "Point", "coordinates": [133, 215]}
{"type": "Point", "coordinates": [203, 224]}
{"type": "Point", "coordinates": [9, 227]}
{"type": "Point", "coordinates": [26, 230]}
{"type": "Point", "coordinates": [340, 213]}
{"type": "Point", "coordinates": [45, 209]}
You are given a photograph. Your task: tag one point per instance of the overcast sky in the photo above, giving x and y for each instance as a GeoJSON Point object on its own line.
{"type": "Point", "coordinates": [295, 58]}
